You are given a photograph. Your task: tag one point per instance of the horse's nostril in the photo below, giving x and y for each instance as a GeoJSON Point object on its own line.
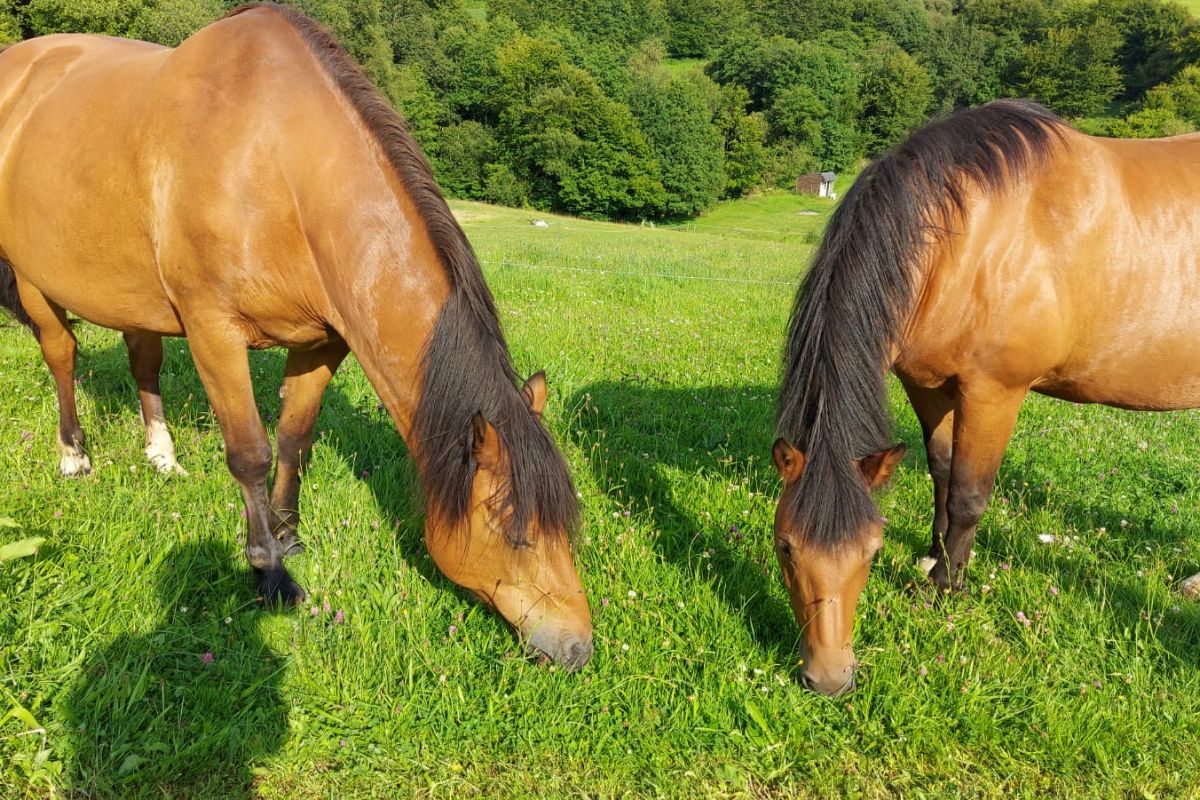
{"type": "Point", "coordinates": [578, 654]}
{"type": "Point", "coordinates": [807, 682]}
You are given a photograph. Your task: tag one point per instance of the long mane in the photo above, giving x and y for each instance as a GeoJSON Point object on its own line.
{"type": "Point", "coordinates": [466, 366]}
{"type": "Point", "coordinates": [860, 291]}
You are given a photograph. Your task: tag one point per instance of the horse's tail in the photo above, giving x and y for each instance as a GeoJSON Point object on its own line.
{"type": "Point", "coordinates": [9, 297]}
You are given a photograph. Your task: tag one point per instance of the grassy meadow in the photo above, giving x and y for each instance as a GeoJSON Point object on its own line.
{"type": "Point", "coordinates": [661, 347]}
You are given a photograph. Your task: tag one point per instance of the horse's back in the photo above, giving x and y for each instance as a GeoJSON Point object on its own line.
{"type": "Point", "coordinates": [1082, 280]}
{"type": "Point", "coordinates": [149, 170]}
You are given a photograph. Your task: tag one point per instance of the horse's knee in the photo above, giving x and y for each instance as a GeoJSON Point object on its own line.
{"type": "Point", "coordinates": [966, 506]}
{"type": "Point", "coordinates": [249, 463]}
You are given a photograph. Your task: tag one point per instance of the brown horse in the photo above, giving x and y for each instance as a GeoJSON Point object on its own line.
{"type": "Point", "coordinates": [994, 253]}
{"type": "Point", "coordinates": [251, 189]}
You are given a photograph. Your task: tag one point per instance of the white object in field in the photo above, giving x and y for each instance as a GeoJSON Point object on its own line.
{"type": "Point", "coordinates": [1191, 586]}
{"type": "Point", "coordinates": [540, 223]}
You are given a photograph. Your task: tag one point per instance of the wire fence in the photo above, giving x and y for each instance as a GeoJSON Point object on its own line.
{"type": "Point", "coordinates": [612, 272]}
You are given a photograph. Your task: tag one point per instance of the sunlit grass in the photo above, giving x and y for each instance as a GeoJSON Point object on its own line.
{"type": "Point", "coordinates": [661, 347]}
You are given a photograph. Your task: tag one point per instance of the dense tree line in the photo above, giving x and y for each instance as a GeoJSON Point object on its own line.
{"type": "Point", "coordinates": [659, 108]}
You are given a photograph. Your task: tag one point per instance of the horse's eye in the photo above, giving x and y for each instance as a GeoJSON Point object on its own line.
{"type": "Point", "coordinates": [783, 547]}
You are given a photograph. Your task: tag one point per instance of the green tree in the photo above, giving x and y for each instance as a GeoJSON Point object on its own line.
{"type": "Point", "coordinates": [968, 64]}
{"type": "Point", "coordinates": [623, 22]}
{"type": "Point", "coordinates": [744, 135]}
{"type": "Point", "coordinates": [1072, 69]}
{"type": "Point", "coordinates": [785, 161]}
{"type": "Point", "coordinates": [905, 22]}
{"type": "Point", "coordinates": [10, 23]}
{"type": "Point", "coordinates": [801, 19]}
{"type": "Point", "coordinates": [699, 27]}
{"type": "Point", "coordinates": [677, 119]}
{"type": "Point", "coordinates": [577, 150]}
{"type": "Point", "coordinates": [461, 157]}
{"type": "Point", "coordinates": [896, 95]}
{"type": "Point", "coordinates": [110, 17]}
{"type": "Point", "coordinates": [1154, 39]}
{"type": "Point", "coordinates": [797, 115]}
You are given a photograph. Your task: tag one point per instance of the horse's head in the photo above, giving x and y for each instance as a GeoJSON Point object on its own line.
{"type": "Point", "coordinates": [529, 578]}
{"type": "Point", "coordinates": [825, 581]}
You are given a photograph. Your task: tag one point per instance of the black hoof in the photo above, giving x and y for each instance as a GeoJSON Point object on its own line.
{"type": "Point", "coordinates": [276, 588]}
{"type": "Point", "coordinates": [944, 583]}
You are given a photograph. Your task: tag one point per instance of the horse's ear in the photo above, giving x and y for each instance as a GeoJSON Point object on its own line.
{"type": "Point", "coordinates": [486, 443]}
{"type": "Point", "coordinates": [878, 467]}
{"type": "Point", "coordinates": [788, 460]}
{"type": "Point", "coordinates": [534, 392]}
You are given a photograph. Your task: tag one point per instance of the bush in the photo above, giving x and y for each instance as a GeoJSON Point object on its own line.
{"type": "Point", "coordinates": [786, 160]}
{"type": "Point", "coordinates": [1150, 123]}
{"type": "Point", "coordinates": [1180, 97]}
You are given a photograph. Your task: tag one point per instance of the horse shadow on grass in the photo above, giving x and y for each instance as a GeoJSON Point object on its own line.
{"type": "Point", "coordinates": [358, 430]}
{"type": "Point", "coordinates": [648, 441]}
{"type": "Point", "coordinates": [188, 708]}
{"type": "Point", "coordinates": [1028, 486]}
{"type": "Point", "coordinates": [648, 444]}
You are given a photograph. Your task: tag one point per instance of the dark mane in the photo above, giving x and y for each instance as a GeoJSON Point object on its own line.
{"type": "Point", "coordinates": [860, 290]}
{"type": "Point", "coordinates": [466, 366]}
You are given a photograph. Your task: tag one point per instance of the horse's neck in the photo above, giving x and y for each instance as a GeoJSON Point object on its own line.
{"type": "Point", "coordinates": [386, 287]}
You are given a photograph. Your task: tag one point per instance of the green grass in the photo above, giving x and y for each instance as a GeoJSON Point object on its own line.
{"type": "Point", "coordinates": [661, 346]}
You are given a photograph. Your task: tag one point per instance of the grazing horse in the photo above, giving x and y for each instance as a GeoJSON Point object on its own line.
{"type": "Point", "coordinates": [993, 253]}
{"type": "Point", "coordinates": [251, 189]}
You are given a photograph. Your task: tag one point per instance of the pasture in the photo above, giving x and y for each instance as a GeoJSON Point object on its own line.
{"type": "Point", "coordinates": [134, 661]}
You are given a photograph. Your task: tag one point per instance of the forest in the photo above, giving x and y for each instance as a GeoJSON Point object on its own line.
{"type": "Point", "coordinates": [658, 109]}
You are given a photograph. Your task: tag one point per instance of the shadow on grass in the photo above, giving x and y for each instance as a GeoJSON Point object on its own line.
{"type": "Point", "coordinates": [151, 715]}
{"type": "Point", "coordinates": [655, 443]}
{"type": "Point", "coordinates": [634, 433]}
{"type": "Point", "coordinates": [1130, 606]}
{"type": "Point", "coordinates": [361, 433]}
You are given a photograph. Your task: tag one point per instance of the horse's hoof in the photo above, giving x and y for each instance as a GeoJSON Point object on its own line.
{"type": "Point", "coordinates": [1190, 587]}
{"type": "Point", "coordinates": [165, 463]}
{"type": "Point", "coordinates": [277, 589]}
{"type": "Point", "coordinates": [75, 466]}
{"type": "Point", "coordinates": [926, 564]}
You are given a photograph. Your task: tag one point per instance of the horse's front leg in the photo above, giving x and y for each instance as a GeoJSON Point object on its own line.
{"type": "Point", "coordinates": [935, 411]}
{"type": "Point", "coordinates": [221, 360]}
{"type": "Point", "coordinates": [145, 362]}
{"type": "Point", "coordinates": [306, 375]}
{"type": "Point", "coordinates": [984, 418]}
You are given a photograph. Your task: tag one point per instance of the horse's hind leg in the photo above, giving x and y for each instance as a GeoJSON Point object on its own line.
{"type": "Point", "coordinates": [145, 361]}
{"type": "Point", "coordinates": [983, 423]}
{"type": "Point", "coordinates": [935, 411]}
{"type": "Point", "coordinates": [306, 375]}
{"type": "Point", "coordinates": [220, 356]}
{"type": "Point", "coordinates": [58, 349]}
